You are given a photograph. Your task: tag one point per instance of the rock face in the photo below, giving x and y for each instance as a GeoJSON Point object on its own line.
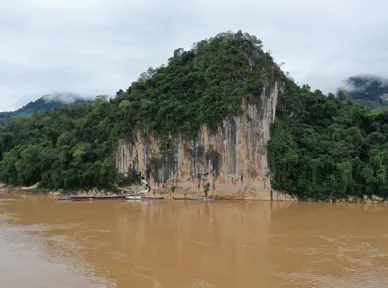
{"type": "Point", "coordinates": [233, 160]}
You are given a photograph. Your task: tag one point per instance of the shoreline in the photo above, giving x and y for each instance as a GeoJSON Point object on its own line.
{"type": "Point", "coordinates": [221, 196]}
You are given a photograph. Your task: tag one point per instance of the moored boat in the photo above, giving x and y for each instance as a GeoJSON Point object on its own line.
{"type": "Point", "coordinates": [109, 197]}
{"type": "Point", "coordinates": [152, 197]}
{"type": "Point", "coordinates": [82, 198]}
{"type": "Point", "coordinates": [90, 197]}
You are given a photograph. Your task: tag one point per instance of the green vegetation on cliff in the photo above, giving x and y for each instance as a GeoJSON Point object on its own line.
{"type": "Point", "coordinates": [200, 86]}
{"type": "Point", "coordinates": [72, 147]}
{"type": "Point", "coordinates": [321, 147]}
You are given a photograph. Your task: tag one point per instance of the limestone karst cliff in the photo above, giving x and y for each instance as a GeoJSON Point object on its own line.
{"type": "Point", "coordinates": [234, 159]}
{"type": "Point", "coordinates": [203, 123]}
{"type": "Point", "coordinates": [200, 122]}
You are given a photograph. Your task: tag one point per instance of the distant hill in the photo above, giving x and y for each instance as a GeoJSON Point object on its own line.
{"type": "Point", "coordinates": [44, 103]}
{"type": "Point", "coordinates": [369, 90]}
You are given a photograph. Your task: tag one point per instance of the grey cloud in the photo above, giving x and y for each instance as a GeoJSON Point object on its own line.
{"type": "Point", "coordinates": [95, 47]}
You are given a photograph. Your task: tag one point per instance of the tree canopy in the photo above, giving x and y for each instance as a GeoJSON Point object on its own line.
{"type": "Point", "coordinates": [326, 147]}
{"type": "Point", "coordinates": [321, 146]}
{"type": "Point", "coordinates": [72, 147]}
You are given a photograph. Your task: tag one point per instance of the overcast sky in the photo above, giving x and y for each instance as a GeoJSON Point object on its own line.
{"type": "Point", "coordinates": [99, 46]}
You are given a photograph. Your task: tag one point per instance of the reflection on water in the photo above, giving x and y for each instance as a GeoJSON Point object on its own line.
{"type": "Point", "coordinates": [189, 244]}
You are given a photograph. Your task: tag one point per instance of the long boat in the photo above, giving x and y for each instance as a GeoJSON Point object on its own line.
{"type": "Point", "coordinates": [89, 197]}
{"type": "Point", "coordinates": [81, 198]}
{"type": "Point", "coordinates": [109, 197]}
{"type": "Point", "coordinates": [195, 198]}
{"type": "Point", "coordinates": [141, 197]}
{"type": "Point", "coordinates": [152, 197]}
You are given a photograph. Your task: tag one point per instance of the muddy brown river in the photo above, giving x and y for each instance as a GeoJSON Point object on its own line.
{"type": "Point", "coordinates": [164, 244]}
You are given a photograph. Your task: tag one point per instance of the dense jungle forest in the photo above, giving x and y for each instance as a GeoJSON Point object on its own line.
{"type": "Point", "coordinates": [322, 146]}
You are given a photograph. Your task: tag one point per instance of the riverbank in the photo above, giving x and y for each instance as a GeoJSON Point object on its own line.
{"type": "Point", "coordinates": [249, 196]}
{"type": "Point", "coordinates": [180, 193]}
{"type": "Point", "coordinates": [35, 190]}
{"type": "Point", "coordinates": [177, 192]}
{"type": "Point", "coordinates": [374, 199]}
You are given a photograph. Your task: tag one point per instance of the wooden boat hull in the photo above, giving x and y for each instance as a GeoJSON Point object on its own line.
{"type": "Point", "coordinates": [81, 198]}
{"type": "Point", "coordinates": [109, 197]}
{"type": "Point", "coordinates": [90, 198]}
{"type": "Point", "coordinates": [152, 198]}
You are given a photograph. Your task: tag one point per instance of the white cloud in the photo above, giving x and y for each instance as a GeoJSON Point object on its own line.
{"type": "Point", "coordinates": [100, 46]}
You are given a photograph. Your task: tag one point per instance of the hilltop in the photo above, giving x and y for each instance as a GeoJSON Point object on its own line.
{"type": "Point", "coordinates": [44, 103]}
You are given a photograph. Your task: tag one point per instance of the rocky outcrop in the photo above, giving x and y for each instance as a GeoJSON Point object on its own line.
{"type": "Point", "coordinates": [232, 160]}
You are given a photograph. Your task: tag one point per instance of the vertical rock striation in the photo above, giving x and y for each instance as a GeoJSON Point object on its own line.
{"type": "Point", "coordinates": [232, 160]}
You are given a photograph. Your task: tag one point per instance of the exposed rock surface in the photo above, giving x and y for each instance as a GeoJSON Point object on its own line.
{"type": "Point", "coordinates": [233, 160]}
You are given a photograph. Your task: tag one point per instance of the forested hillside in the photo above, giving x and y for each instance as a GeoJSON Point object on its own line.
{"type": "Point", "coordinates": [44, 103]}
{"type": "Point", "coordinates": [73, 146]}
{"type": "Point", "coordinates": [322, 146]}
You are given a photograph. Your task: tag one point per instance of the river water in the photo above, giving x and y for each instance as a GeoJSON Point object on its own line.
{"type": "Point", "coordinates": [49, 243]}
